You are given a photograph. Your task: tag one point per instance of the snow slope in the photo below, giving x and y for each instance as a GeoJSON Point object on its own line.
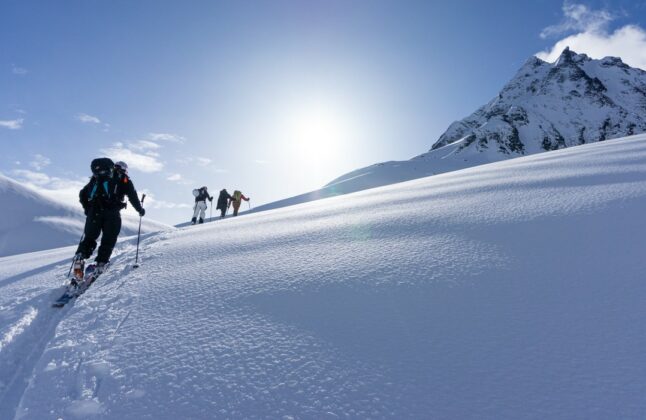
{"type": "Point", "coordinates": [30, 221]}
{"type": "Point", "coordinates": [511, 290]}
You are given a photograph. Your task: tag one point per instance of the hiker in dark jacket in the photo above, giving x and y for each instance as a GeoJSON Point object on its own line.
{"type": "Point", "coordinates": [201, 195]}
{"type": "Point", "coordinates": [102, 200]}
{"type": "Point", "coordinates": [223, 202]}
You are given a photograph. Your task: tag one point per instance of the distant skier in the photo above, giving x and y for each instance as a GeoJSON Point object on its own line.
{"type": "Point", "coordinates": [102, 200]}
{"type": "Point", "coordinates": [223, 202]}
{"type": "Point", "coordinates": [237, 200]}
{"type": "Point", "coordinates": [201, 195]}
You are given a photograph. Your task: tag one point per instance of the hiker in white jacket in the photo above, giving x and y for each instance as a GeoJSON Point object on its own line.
{"type": "Point", "coordinates": [201, 195]}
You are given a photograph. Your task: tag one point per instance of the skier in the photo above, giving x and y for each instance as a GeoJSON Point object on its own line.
{"type": "Point", "coordinates": [201, 195]}
{"type": "Point", "coordinates": [237, 200]}
{"type": "Point", "coordinates": [223, 202]}
{"type": "Point", "coordinates": [102, 200]}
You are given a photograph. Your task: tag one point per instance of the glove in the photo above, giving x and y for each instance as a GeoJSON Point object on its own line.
{"type": "Point", "coordinates": [210, 198]}
{"type": "Point", "coordinates": [142, 212]}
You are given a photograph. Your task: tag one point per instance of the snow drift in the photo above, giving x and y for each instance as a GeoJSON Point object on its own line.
{"type": "Point", "coordinates": [511, 290]}
{"type": "Point", "coordinates": [31, 222]}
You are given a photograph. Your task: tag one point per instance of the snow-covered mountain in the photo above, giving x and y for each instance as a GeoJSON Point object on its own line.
{"type": "Point", "coordinates": [545, 106]}
{"type": "Point", "coordinates": [575, 100]}
{"type": "Point", "coordinates": [512, 290]}
{"type": "Point", "coordinates": [29, 221]}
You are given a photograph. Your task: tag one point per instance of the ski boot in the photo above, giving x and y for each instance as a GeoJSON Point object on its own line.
{"type": "Point", "coordinates": [100, 268]}
{"type": "Point", "coordinates": [193, 221]}
{"type": "Point", "coordinates": [78, 270]}
{"type": "Point", "coordinates": [201, 221]}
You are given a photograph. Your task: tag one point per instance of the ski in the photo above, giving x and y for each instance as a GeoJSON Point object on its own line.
{"type": "Point", "coordinates": [76, 290]}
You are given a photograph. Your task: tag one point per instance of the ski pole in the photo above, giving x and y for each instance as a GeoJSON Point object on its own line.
{"type": "Point", "coordinates": [211, 211]}
{"type": "Point", "coordinates": [71, 266]}
{"type": "Point", "coordinates": [143, 197]}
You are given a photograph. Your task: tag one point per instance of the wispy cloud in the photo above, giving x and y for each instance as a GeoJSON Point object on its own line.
{"type": "Point", "coordinates": [137, 161]}
{"type": "Point", "coordinates": [12, 124]}
{"type": "Point", "coordinates": [86, 118]}
{"type": "Point", "coordinates": [166, 137]}
{"type": "Point", "coordinates": [40, 162]}
{"type": "Point", "coordinates": [199, 161]}
{"type": "Point", "coordinates": [60, 189]}
{"type": "Point", "coordinates": [144, 145]}
{"type": "Point", "coordinates": [36, 178]}
{"type": "Point", "coordinates": [594, 38]}
{"type": "Point", "coordinates": [152, 202]}
{"type": "Point", "coordinates": [18, 71]}
{"type": "Point", "coordinates": [179, 179]}
{"type": "Point", "coordinates": [262, 162]}
{"type": "Point", "coordinates": [579, 18]}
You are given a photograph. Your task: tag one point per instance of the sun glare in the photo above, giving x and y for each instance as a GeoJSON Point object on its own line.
{"type": "Point", "coordinates": [317, 134]}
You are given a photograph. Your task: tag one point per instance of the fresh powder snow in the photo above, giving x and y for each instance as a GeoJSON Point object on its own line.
{"type": "Point", "coordinates": [509, 290]}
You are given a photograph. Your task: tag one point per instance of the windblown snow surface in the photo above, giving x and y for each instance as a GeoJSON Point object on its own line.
{"type": "Point", "coordinates": [511, 290]}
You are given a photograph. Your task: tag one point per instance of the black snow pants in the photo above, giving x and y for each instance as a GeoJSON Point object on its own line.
{"type": "Point", "coordinates": [103, 221]}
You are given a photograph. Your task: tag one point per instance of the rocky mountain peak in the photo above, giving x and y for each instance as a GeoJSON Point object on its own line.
{"type": "Point", "coordinates": [548, 106]}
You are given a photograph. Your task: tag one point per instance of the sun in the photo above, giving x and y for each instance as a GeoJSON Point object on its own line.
{"type": "Point", "coordinates": [317, 134]}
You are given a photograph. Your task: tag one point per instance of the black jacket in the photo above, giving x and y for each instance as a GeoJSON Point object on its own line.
{"type": "Point", "coordinates": [203, 195]}
{"type": "Point", "coordinates": [120, 186]}
{"type": "Point", "coordinates": [223, 200]}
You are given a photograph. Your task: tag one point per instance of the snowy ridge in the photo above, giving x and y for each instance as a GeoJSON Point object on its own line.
{"type": "Point", "coordinates": [509, 290]}
{"type": "Point", "coordinates": [29, 221]}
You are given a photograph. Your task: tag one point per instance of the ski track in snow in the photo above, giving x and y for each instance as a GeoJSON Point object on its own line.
{"type": "Point", "coordinates": [511, 290]}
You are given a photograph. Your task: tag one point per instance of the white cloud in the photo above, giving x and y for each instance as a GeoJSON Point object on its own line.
{"type": "Point", "coordinates": [19, 71]}
{"type": "Point", "coordinates": [60, 189]}
{"type": "Point", "coordinates": [12, 124]}
{"type": "Point", "coordinates": [85, 118]}
{"type": "Point", "coordinates": [166, 137]}
{"type": "Point", "coordinates": [40, 162]}
{"type": "Point", "coordinates": [144, 145]}
{"type": "Point", "coordinates": [151, 202]}
{"type": "Point", "coordinates": [593, 38]}
{"type": "Point", "coordinates": [179, 179]}
{"type": "Point", "coordinates": [32, 177]}
{"type": "Point", "coordinates": [200, 161]}
{"type": "Point", "coordinates": [262, 162]}
{"type": "Point", "coordinates": [137, 161]}
{"type": "Point", "coordinates": [579, 18]}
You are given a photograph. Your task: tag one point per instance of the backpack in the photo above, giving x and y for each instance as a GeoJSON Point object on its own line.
{"type": "Point", "coordinates": [102, 167]}
{"type": "Point", "coordinates": [103, 188]}
{"type": "Point", "coordinates": [237, 195]}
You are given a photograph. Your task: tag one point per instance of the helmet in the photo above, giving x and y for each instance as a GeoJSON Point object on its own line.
{"type": "Point", "coordinates": [204, 188]}
{"type": "Point", "coordinates": [122, 166]}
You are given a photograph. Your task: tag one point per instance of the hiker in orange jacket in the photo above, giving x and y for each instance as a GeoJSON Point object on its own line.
{"type": "Point", "coordinates": [237, 200]}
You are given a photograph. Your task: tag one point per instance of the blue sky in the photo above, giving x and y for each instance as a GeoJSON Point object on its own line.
{"type": "Point", "coordinates": [275, 98]}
